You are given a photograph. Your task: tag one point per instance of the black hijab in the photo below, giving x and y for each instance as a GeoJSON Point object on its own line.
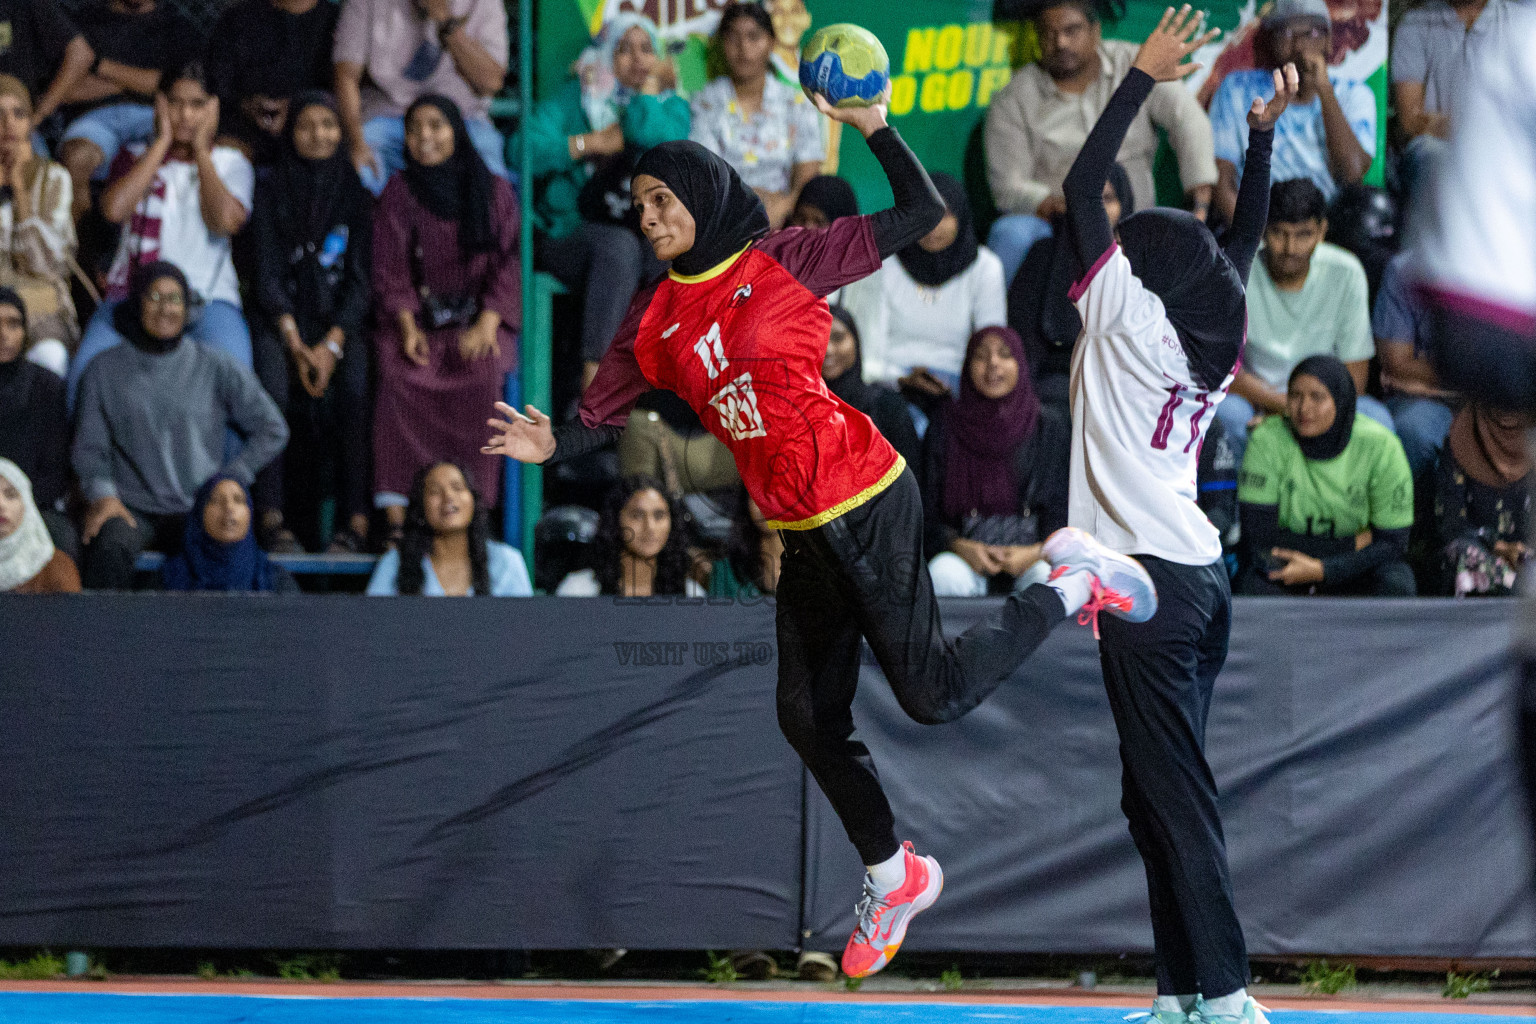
{"type": "Point", "coordinates": [11, 371]}
{"type": "Point", "coordinates": [1176, 257]}
{"type": "Point", "coordinates": [128, 317]}
{"type": "Point", "coordinates": [457, 189]}
{"type": "Point", "coordinates": [727, 215]}
{"type": "Point", "coordinates": [1038, 307]}
{"type": "Point", "coordinates": [850, 387]}
{"type": "Point", "coordinates": [831, 195]}
{"type": "Point", "coordinates": [312, 196]}
{"type": "Point", "coordinates": [934, 268]}
{"type": "Point", "coordinates": [1334, 376]}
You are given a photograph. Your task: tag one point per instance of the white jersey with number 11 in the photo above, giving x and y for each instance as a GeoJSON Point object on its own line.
{"type": "Point", "coordinates": [1138, 419]}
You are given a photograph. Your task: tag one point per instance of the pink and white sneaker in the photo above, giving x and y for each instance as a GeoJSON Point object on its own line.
{"type": "Point", "coordinates": [1119, 584]}
{"type": "Point", "coordinates": [883, 918]}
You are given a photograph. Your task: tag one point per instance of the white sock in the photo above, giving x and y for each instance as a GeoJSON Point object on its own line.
{"type": "Point", "coordinates": [1229, 1006]}
{"type": "Point", "coordinates": [1074, 589]}
{"type": "Point", "coordinates": [889, 873]}
{"type": "Point", "coordinates": [1173, 1004]}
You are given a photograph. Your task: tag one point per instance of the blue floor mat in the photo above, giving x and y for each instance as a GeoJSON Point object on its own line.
{"type": "Point", "coordinates": [109, 1008]}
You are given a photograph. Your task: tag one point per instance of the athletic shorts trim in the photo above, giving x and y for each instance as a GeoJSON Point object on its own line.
{"type": "Point", "coordinates": [823, 518]}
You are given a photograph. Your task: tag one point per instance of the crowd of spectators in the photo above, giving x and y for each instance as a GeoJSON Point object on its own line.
{"type": "Point", "coordinates": [259, 291]}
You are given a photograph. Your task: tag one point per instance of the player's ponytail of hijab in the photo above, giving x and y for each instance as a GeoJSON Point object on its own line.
{"type": "Point", "coordinates": [1176, 257]}
{"type": "Point", "coordinates": [727, 215]}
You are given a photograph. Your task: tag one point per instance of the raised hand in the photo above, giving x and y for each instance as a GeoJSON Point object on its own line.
{"type": "Point", "coordinates": [527, 438]}
{"type": "Point", "coordinates": [867, 120]}
{"type": "Point", "coordinates": [1176, 37]}
{"type": "Point", "coordinates": [1262, 116]}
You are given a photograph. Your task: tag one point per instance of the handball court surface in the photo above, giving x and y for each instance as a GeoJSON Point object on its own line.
{"type": "Point", "coordinates": [174, 1002]}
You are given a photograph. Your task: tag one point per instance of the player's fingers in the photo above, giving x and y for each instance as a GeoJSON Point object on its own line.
{"type": "Point", "coordinates": [537, 416]}
{"type": "Point", "coordinates": [1192, 24]}
{"type": "Point", "coordinates": [1185, 70]}
{"type": "Point", "coordinates": [506, 410]}
{"type": "Point", "coordinates": [1162, 26]}
{"type": "Point", "coordinates": [1204, 40]}
{"type": "Point", "coordinates": [1181, 21]}
{"type": "Point", "coordinates": [1257, 107]}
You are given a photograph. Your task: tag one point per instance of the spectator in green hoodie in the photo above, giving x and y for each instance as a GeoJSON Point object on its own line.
{"type": "Point", "coordinates": [583, 142]}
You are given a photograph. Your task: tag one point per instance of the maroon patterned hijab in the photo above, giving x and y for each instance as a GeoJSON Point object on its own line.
{"type": "Point", "coordinates": [982, 434]}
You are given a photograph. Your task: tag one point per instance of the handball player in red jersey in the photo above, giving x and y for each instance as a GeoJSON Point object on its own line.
{"type": "Point", "coordinates": [738, 329]}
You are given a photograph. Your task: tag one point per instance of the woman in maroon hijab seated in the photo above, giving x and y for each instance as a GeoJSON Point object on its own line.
{"type": "Point", "coordinates": [447, 293]}
{"type": "Point", "coordinates": [994, 474]}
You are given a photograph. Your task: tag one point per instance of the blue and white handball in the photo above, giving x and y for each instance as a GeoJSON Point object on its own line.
{"type": "Point", "coordinates": [846, 64]}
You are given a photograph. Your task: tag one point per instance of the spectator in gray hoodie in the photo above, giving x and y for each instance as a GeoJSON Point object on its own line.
{"type": "Point", "coordinates": [152, 424]}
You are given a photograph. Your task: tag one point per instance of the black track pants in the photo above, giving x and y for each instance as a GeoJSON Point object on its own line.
{"type": "Point", "coordinates": [1160, 675]}
{"type": "Point", "coordinates": [863, 575]}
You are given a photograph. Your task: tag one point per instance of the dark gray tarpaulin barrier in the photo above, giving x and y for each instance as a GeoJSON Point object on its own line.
{"type": "Point", "coordinates": [1370, 789]}
{"type": "Point", "coordinates": [411, 772]}
{"type": "Point", "coordinates": [342, 773]}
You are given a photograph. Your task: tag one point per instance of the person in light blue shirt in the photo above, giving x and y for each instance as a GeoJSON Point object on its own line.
{"type": "Point", "coordinates": [446, 550]}
{"type": "Point", "coordinates": [1327, 134]}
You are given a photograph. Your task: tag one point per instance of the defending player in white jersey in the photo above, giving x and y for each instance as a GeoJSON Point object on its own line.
{"type": "Point", "coordinates": [1164, 319]}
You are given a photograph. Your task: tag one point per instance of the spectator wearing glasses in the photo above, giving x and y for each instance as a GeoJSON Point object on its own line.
{"type": "Point", "coordinates": [1327, 134]}
{"type": "Point", "coordinates": [151, 428]}
{"type": "Point", "coordinates": [179, 199]}
{"type": "Point", "coordinates": [1039, 121]}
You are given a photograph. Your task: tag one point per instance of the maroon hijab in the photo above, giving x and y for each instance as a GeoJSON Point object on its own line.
{"type": "Point", "coordinates": [982, 434]}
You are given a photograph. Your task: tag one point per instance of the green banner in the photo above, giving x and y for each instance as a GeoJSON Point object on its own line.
{"type": "Point", "coordinates": [948, 58]}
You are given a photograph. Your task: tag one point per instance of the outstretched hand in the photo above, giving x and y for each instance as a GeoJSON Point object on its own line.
{"type": "Point", "coordinates": [1262, 116]}
{"type": "Point", "coordinates": [1176, 37]}
{"type": "Point", "coordinates": [527, 438]}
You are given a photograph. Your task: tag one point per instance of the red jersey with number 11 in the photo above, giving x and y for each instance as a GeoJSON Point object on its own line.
{"type": "Point", "coordinates": [743, 344]}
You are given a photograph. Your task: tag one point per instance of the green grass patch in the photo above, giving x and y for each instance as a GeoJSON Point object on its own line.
{"type": "Point", "coordinates": [40, 967]}
{"type": "Point", "coordinates": [1328, 979]}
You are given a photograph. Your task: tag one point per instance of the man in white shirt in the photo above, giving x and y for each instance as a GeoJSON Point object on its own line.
{"type": "Point", "coordinates": [1037, 124]}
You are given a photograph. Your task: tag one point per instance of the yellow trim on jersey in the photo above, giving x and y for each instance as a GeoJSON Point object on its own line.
{"type": "Point", "coordinates": [823, 518]}
{"type": "Point", "coordinates": [713, 272]}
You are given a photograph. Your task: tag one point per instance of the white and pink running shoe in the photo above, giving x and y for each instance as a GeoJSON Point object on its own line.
{"type": "Point", "coordinates": [1120, 585]}
{"type": "Point", "coordinates": [883, 918]}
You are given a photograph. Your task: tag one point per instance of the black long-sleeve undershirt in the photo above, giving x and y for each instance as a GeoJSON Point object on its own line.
{"type": "Point", "coordinates": [1262, 532]}
{"type": "Point", "coordinates": [916, 210]}
{"type": "Point", "coordinates": [917, 207]}
{"type": "Point", "coordinates": [1089, 229]}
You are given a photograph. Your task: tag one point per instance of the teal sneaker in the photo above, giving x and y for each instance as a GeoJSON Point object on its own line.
{"type": "Point", "coordinates": [1156, 1016]}
{"type": "Point", "coordinates": [1253, 1013]}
